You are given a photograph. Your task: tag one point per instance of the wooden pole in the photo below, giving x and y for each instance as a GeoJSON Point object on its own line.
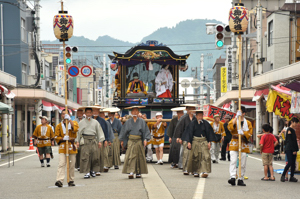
{"type": "Point", "coordinates": [66, 104]}
{"type": "Point", "coordinates": [240, 108]}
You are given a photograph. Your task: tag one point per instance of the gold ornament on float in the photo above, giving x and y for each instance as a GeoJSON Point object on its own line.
{"type": "Point", "coordinates": [238, 18]}
{"type": "Point", "coordinates": [63, 26]}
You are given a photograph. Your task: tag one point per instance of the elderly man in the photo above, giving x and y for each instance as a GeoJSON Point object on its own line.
{"type": "Point", "coordinates": [220, 133]}
{"type": "Point", "coordinates": [116, 126]}
{"type": "Point", "coordinates": [158, 130]}
{"type": "Point", "coordinates": [136, 86]}
{"type": "Point", "coordinates": [175, 147]}
{"type": "Point", "coordinates": [180, 131]}
{"type": "Point", "coordinates": [44, 137]}
{"type": "Point", "coordinates": [246, 133]}
{"type": "Point", "coordinates": [135, 134]}
{"type": "Point", "coordinates": [61, 137]}
{"type": "Point", "coordinates": [89, 137]}
{"type": "Point", "coordinates": [199, 135]}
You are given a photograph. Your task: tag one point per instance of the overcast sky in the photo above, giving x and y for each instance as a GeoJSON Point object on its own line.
{"type": "Point", "coordinates": [129, 20]}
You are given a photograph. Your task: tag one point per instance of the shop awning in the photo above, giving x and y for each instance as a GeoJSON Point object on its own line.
{"type": "Point", "coordinates": [5, 109]}
{"type": "Point", "coordinates": [293, 85]}
{"type": "Point", "coordinates": [7, 92]}
{"type": "Point", "coordinates": [259, 93]}
{"type": "Point", "coordinates": [280, 88]}
{"type": "Point", "coordinates": [246, 104]}
{"type": "Point", "coordinates": [48, 106]}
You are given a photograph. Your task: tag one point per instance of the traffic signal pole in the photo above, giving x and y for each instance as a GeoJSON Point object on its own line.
{"type": "Point", "coordinates": [66, 103]}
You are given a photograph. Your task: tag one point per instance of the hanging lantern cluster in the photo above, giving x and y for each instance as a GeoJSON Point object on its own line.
{"type": "Point", "coordinates": [63, 25]}
{"type": "Point", "coordinates": [238, 18]}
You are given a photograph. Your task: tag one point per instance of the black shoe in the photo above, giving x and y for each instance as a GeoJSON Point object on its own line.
{"type": "Point", "coordinates": [293, 179]}
{"type": "Point", "coordinates": [93, 174]}
{"type": "Point", "coordinates": [71, 184]}
{"type": "Point", "coordinates": [223, 159]}
{"type": "Point", "coordinates": [58, 184]}
{"type": "Point", "coordinates": [282, 179]}
{"type": "Point", "coordinates": [232, 181]}
{"type": "Point", "coordinates": [229, 159]}
{"type": "Point", "coordinates": [116, 167]}
{"type": "Point", "coordinates": [241, 183]}
{"type": "Point", "coordinates": [214, 161]}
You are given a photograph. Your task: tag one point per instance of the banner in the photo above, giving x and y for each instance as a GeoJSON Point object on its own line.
{"type": "Point", "coordinates": [295, 107]}
{"type": "Point", "coordinates": [223, 80]}
{"type": "Point", "coordinates": [209, 111]}
{"type": "Point", "coordinates": [280, 104]}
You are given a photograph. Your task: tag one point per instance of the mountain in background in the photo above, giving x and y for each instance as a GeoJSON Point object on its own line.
{"type": "Point", "coordinates": [192, 32]}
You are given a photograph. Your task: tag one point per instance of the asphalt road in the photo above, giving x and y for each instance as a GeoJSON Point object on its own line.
{"type": "Point", "coordinates": [26, 179]}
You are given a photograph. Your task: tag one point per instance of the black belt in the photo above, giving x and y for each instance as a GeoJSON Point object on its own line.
{"type": "Point", "coordinates": [159, 137]}
{"type": "Point", "coordinates": [43, 138]}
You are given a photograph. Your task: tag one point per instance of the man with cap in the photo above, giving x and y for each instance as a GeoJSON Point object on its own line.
{"type": "Point", "coordinates": [44, 137]}
{"type": "Point", "coordinates": [175, 147]}
{"type": "Point", "coordinates": [226, 139]}
{"type": "Point", "coordinates": [164, 83]}
{"type": "Point", "coordinates": [245, 132]}
{"type": "Point", "coordinates": [106, 152]}
{"type": "Point", "coordinates": [80, 112]}
{"type": "Point", "coordinates": [158, 129]}
{"type": "Point", "coordinates": [61, 137]}
{"type": "Point", "coordinates": [104, 126]}
{"type": "Point", "coordinates": [135, 134]}
{"type": "Point", "coordinates": [136, 86]}
{"type": "Point", "coordinates": [219, 133]}
{"type": "Point", "coordinates": [180, 131]}
{"type": "Point", "coordinates": [116, 126]}
{"type": "Point", "coordinates": [199, 135]}
{"type": "Point", "coordinates": [90, 137]}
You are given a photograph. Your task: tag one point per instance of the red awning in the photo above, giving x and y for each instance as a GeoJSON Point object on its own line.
{"type": "Point", "coordinates": [7, 92]}
{"type": "Point", "coordinates": [282, 89]}
{"type": "Point", "coordinates": [258, 94]}
{"type": "Point", "coordinates": [249, 104]}
{"type": "Point", "coordinates": [227, 106]}
{"type": "Point", "coordinates": [48, 106]}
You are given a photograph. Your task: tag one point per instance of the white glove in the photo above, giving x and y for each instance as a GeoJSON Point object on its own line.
{"type": "Point", "coordinates": [66, 137]}
{"type": "Point", "coordinates": [239, 113]}
{"type": "Point", "coordinates": [241, 132]}
{"type": "Point", "coordinates": [67, 117]}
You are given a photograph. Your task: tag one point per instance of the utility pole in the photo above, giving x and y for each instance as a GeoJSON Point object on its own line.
{"type": "Point", "coordinates": [104, 81]}
{"type": "Point", "coordinates": [259, 38]}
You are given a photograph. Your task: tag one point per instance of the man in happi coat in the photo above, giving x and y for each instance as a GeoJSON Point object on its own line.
{"type": "Point", "coordinates": [107, 151]}
{"type": "Point", "coordinates": [61, 137]}
{"type": "Point", "coordinates": [179, 133]}
{"type": "Point", "coordinates": [105, 130]}
{"type": "Point", "coordinates": [135, 134]}
{"type": "Point", "coordinates": [90, 137]}
{"type": "Point", "coordinates": [164, 83]}
{"type": "Point", "coordinates": [199, 135]}
{"type": "Point", "coordinates": [158, 140]}
{"type": "Point", "coordinates": [80, 117]}
{"type": "Point", "coordinates": [175, 147]}
{"type": "Point", "coordinates": [220, 133]}
{"type": "Point", "coordinates": [116, 127]}
{"type": "Point", "coordinates": [245, 132]}
{"type": "Point", "coordinates": [44, 137]}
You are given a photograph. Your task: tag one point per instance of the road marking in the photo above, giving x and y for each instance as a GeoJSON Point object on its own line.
{"type": "Point", "coordinates": [18, 159]}
{"type": "Point", "coordinates": [261, 161]}
{"type": "Point", "coordinates": [154, 185]}
{"type": "Point", "coordinates": [200, 189]}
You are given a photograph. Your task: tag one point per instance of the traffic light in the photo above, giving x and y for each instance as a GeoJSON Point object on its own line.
{"type": "Point", "coordinates": [219, 36]}
{"type": "Point", "coordinates": [69, 51]}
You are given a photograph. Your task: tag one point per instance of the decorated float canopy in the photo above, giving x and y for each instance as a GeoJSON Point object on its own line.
{"type": "Point", "coordinates": [149, 52]}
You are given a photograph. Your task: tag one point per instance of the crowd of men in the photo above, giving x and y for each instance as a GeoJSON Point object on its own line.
{"type": "Point", "coordinates": [95, 142]}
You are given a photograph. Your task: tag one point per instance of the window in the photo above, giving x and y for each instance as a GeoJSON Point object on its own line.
{"type": "Point", "coordinates": [270, 33]}
{"type": "Point", "coordinates": [23, 30]}
{"type": "Point", "coordinates": [24, 73]}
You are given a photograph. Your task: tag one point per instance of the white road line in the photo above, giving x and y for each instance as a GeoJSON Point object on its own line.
{"type": "Point", "coordinates": [261, 160]}
{"type": "Point", "coordinates": [200, 189]}
{"type": "Point", "coordinates": [18, 159]}
{"type": "Point", "coordinates": [154, 185]}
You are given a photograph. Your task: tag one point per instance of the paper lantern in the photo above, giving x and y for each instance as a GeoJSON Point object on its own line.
{"type": "Point", "coordinates": [238, 18]}
{"type": "Point", "coordinates": [63, 25]}
{"type": "Point", "coordinates": [114, 66]}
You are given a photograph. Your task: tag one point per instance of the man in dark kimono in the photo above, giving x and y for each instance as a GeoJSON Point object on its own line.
{"type": "Point", "coordinates": [179, 133]}
{"type": "Point", "coordinates": [116, 126]}
{"type": "Point", "coordinates": [226, 140]}
{"type": "Point", "coordinates": [199, 134]}
{"type": "Point", "coordinates": [135, 134]}
{"type": "Point", "coordinates": [175, 147]}
{"type": "Point", "coordinates": [104, 127]}
{"type": "Point", "coordinates": [80, 112]}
